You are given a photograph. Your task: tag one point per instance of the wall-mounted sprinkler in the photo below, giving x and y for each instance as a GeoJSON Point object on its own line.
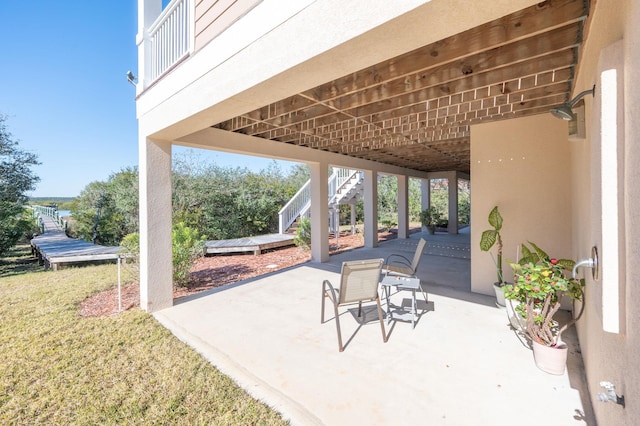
{"type": "Point", "coordinates": [610, 395]}
{"type": "Point", "coordinates": [591, 262]}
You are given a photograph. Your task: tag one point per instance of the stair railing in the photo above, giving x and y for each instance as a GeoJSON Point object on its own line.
{"type": "Point", "coordinates": [295, 207]}
{"type": "Point", "coordinates": [300, 203]}
{"type": "Point", "coordinates": [347, 180]}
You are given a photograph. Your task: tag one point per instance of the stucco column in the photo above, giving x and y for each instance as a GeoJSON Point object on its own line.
{"type": "Point", "coordinates": [156, 270]}
{"type": "Point", "coordinates": [319, 212]}
{"type": "Point", "coordinates": [370, 208]}
{"type": "Point", "coordinates": [353, 219]}
{"type": "Point", "coordinates": [403, 206]}
{"type": "Point", "coordinates": [452, 228]}
{"type": "Point", "coordinates": [425, 203]}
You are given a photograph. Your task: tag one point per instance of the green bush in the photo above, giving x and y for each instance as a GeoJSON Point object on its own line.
{"type": "Point", "coordinates": [387, 224]}
{"type": "Point", "coordinates": [131, 244]}
{"type": "Point", "coordinates": [303, 233]}
{"type": "Point", "coordinates": [187, 246]}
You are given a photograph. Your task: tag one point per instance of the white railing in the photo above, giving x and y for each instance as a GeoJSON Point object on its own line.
{"type": "Point", "coordinates": [296, 206]}
{"type": "Point", "coordinates": [51, 212]}
{"type": "Point", "coordinates": [346, 180]}
{"type": "Point", "coordinates": [170, 37]}
{"type": "Point", "coordinates": [300, 204]}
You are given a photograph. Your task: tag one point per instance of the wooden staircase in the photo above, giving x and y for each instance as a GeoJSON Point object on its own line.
{"type": "Point", "coordinates": [345, 187]}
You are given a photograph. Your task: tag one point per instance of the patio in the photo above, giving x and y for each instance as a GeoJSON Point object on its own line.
{"type": "Point", "coordinates": [460, 365]}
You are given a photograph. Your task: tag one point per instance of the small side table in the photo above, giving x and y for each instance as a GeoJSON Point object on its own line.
{"type": "Point", "coordinates": [401, 283]}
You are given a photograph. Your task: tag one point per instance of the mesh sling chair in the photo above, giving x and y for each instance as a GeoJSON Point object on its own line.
{"type": "Point", "coordinates": [358, 283]}
{"type": "Point", "coordinates": [399, 265]}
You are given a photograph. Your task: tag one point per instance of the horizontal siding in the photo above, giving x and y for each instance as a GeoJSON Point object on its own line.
{"type": "Point", "coordinates": [214, 16]}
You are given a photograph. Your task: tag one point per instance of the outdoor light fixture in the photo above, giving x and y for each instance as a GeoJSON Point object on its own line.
{"type": "Point", "coordinates": [131, 78]}
{"type": "Point", "coordinates": [564, 111]}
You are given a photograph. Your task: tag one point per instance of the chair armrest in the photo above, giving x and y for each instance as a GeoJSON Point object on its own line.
{"type": "Point", "coordinates": [332, 293]}
{"type": "Point", "coordinates": [401, 259]}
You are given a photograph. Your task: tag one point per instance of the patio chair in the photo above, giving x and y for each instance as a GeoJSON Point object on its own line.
{"type": "Point", "coordinates": [358, 283]}
{"type": "Point", "coordinates": [399, 265]}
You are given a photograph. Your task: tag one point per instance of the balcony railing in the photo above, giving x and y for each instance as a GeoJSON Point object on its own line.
{"type": "Point", "coordinates": [170, 38]}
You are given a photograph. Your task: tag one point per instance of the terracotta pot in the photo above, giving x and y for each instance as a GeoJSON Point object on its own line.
{"type": "Point", "coordinates": [550, 359]}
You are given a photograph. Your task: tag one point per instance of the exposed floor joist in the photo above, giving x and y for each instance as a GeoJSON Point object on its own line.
{"type": "Point", "coordinates": [415, 110]}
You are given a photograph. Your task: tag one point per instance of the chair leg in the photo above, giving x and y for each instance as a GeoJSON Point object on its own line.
{"type": "Point", "coordinates": [340, 347]}
{"type": "Point", "coordinates": [324, 295]}
{"type": "Point", "coordinates": [384, 333]}
{"type": "Point", "coordinates": [331, 294]}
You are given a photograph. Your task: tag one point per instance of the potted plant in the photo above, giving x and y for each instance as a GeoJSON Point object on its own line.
{"type": "Point", "coordinates": [430, 217]}
{"type": "Point", "coordinates": [490, 238]}
{"type": "Point", "coordinates": [540, 285]}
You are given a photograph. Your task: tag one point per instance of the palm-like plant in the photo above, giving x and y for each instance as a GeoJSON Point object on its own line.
{"type": "Point", "coordinates": [492, 237]}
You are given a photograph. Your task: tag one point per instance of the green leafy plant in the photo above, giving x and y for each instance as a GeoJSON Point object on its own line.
{"type": "Point", "coordinates": [540, 284]}
{"type": "Point", "coordinates": [17, 179]}
{"type": "Point", "coordinates": [492, 237]}
{"type": "Point", "coordinates": [130, 253]}
{"type": "Point", "coordinates": [430, 218]}
{"type": "Point", "coordinates": [387, 224]}
{"type": "Point", "coordinates": [187, 246]}
{"type": "Point", "coordinates": [303, 233]}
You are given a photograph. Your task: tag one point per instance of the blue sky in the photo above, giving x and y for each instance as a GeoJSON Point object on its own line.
{"type": "Point", "coordinates": [64, 91]}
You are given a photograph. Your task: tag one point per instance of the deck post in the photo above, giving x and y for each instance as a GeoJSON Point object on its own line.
{"type": "Point", "coordinates": [353, 218]}
{"type": "Point", "coordinates": [370, 208]}
{"type": "Point", "coordinates": [452, 228]}
{"type": "Point", "coordinates": [425, 203]}
{"type": "Point", "coordinates": [319, 212]}
{"type": "Point", "coordinates": [156, 271]}
{"type": "Point", "coordinates": [403, 207]}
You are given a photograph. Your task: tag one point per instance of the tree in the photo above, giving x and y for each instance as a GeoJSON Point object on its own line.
{"type": "Point", "coordinates": [105, 212]}
{"type": "Point", "coordinates": [16, 178]}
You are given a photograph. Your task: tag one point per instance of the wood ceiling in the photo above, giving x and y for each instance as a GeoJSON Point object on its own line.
{"type": "Point", "coordinates": [415, 110]}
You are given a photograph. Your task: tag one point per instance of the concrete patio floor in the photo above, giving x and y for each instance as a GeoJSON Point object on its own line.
{"type": "Point", "coordinates": [461, 365]}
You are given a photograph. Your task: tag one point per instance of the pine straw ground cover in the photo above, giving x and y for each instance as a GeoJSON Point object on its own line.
{"type": "Point", "coordinates": [57, 367]}
{"type": "Point", "coordinates": [219, 270]}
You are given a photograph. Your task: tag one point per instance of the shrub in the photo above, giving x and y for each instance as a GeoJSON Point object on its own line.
{"type": "Point", "coordinates": [303, 233]}
{"type": "Point", "coordinates": [187, 246]}
{"type": "Point", "coordinates": [131, 251]}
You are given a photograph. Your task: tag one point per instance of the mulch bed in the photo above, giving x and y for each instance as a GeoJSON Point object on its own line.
{"type": "Point", "coordinates": [219, 270]}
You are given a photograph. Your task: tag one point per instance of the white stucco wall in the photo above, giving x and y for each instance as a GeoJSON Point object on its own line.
{"type": "Point", "coordinates": [611, 356]}
{"type": "Point", "coordinates": [523, 166]}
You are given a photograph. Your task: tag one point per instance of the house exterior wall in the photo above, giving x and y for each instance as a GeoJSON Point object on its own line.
{"type": "Point", "coordinates": [523, 167]}
{"type": "Point", "coordinates": [214, 16]}
{"type": "Point", "coordinates": [613, 42]}
{"type": "Point", "coordinates": [609, 331]}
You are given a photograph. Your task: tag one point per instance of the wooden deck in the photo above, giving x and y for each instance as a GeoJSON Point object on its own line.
{"type": "Point", "coordinates": [249, 244]}
{"type": "Point", "coordinates": [54, 248]}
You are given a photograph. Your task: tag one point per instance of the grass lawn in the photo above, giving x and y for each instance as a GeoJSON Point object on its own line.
{"type": "Point", "coordinates": [57, 367]}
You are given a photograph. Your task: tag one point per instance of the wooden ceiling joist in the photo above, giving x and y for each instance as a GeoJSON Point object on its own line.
{"type": "Point", "coordinates": [415, 110]}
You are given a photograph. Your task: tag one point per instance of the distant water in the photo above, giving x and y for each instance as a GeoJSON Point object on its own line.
{"type": "Point", "coordinates": [64, 212]}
